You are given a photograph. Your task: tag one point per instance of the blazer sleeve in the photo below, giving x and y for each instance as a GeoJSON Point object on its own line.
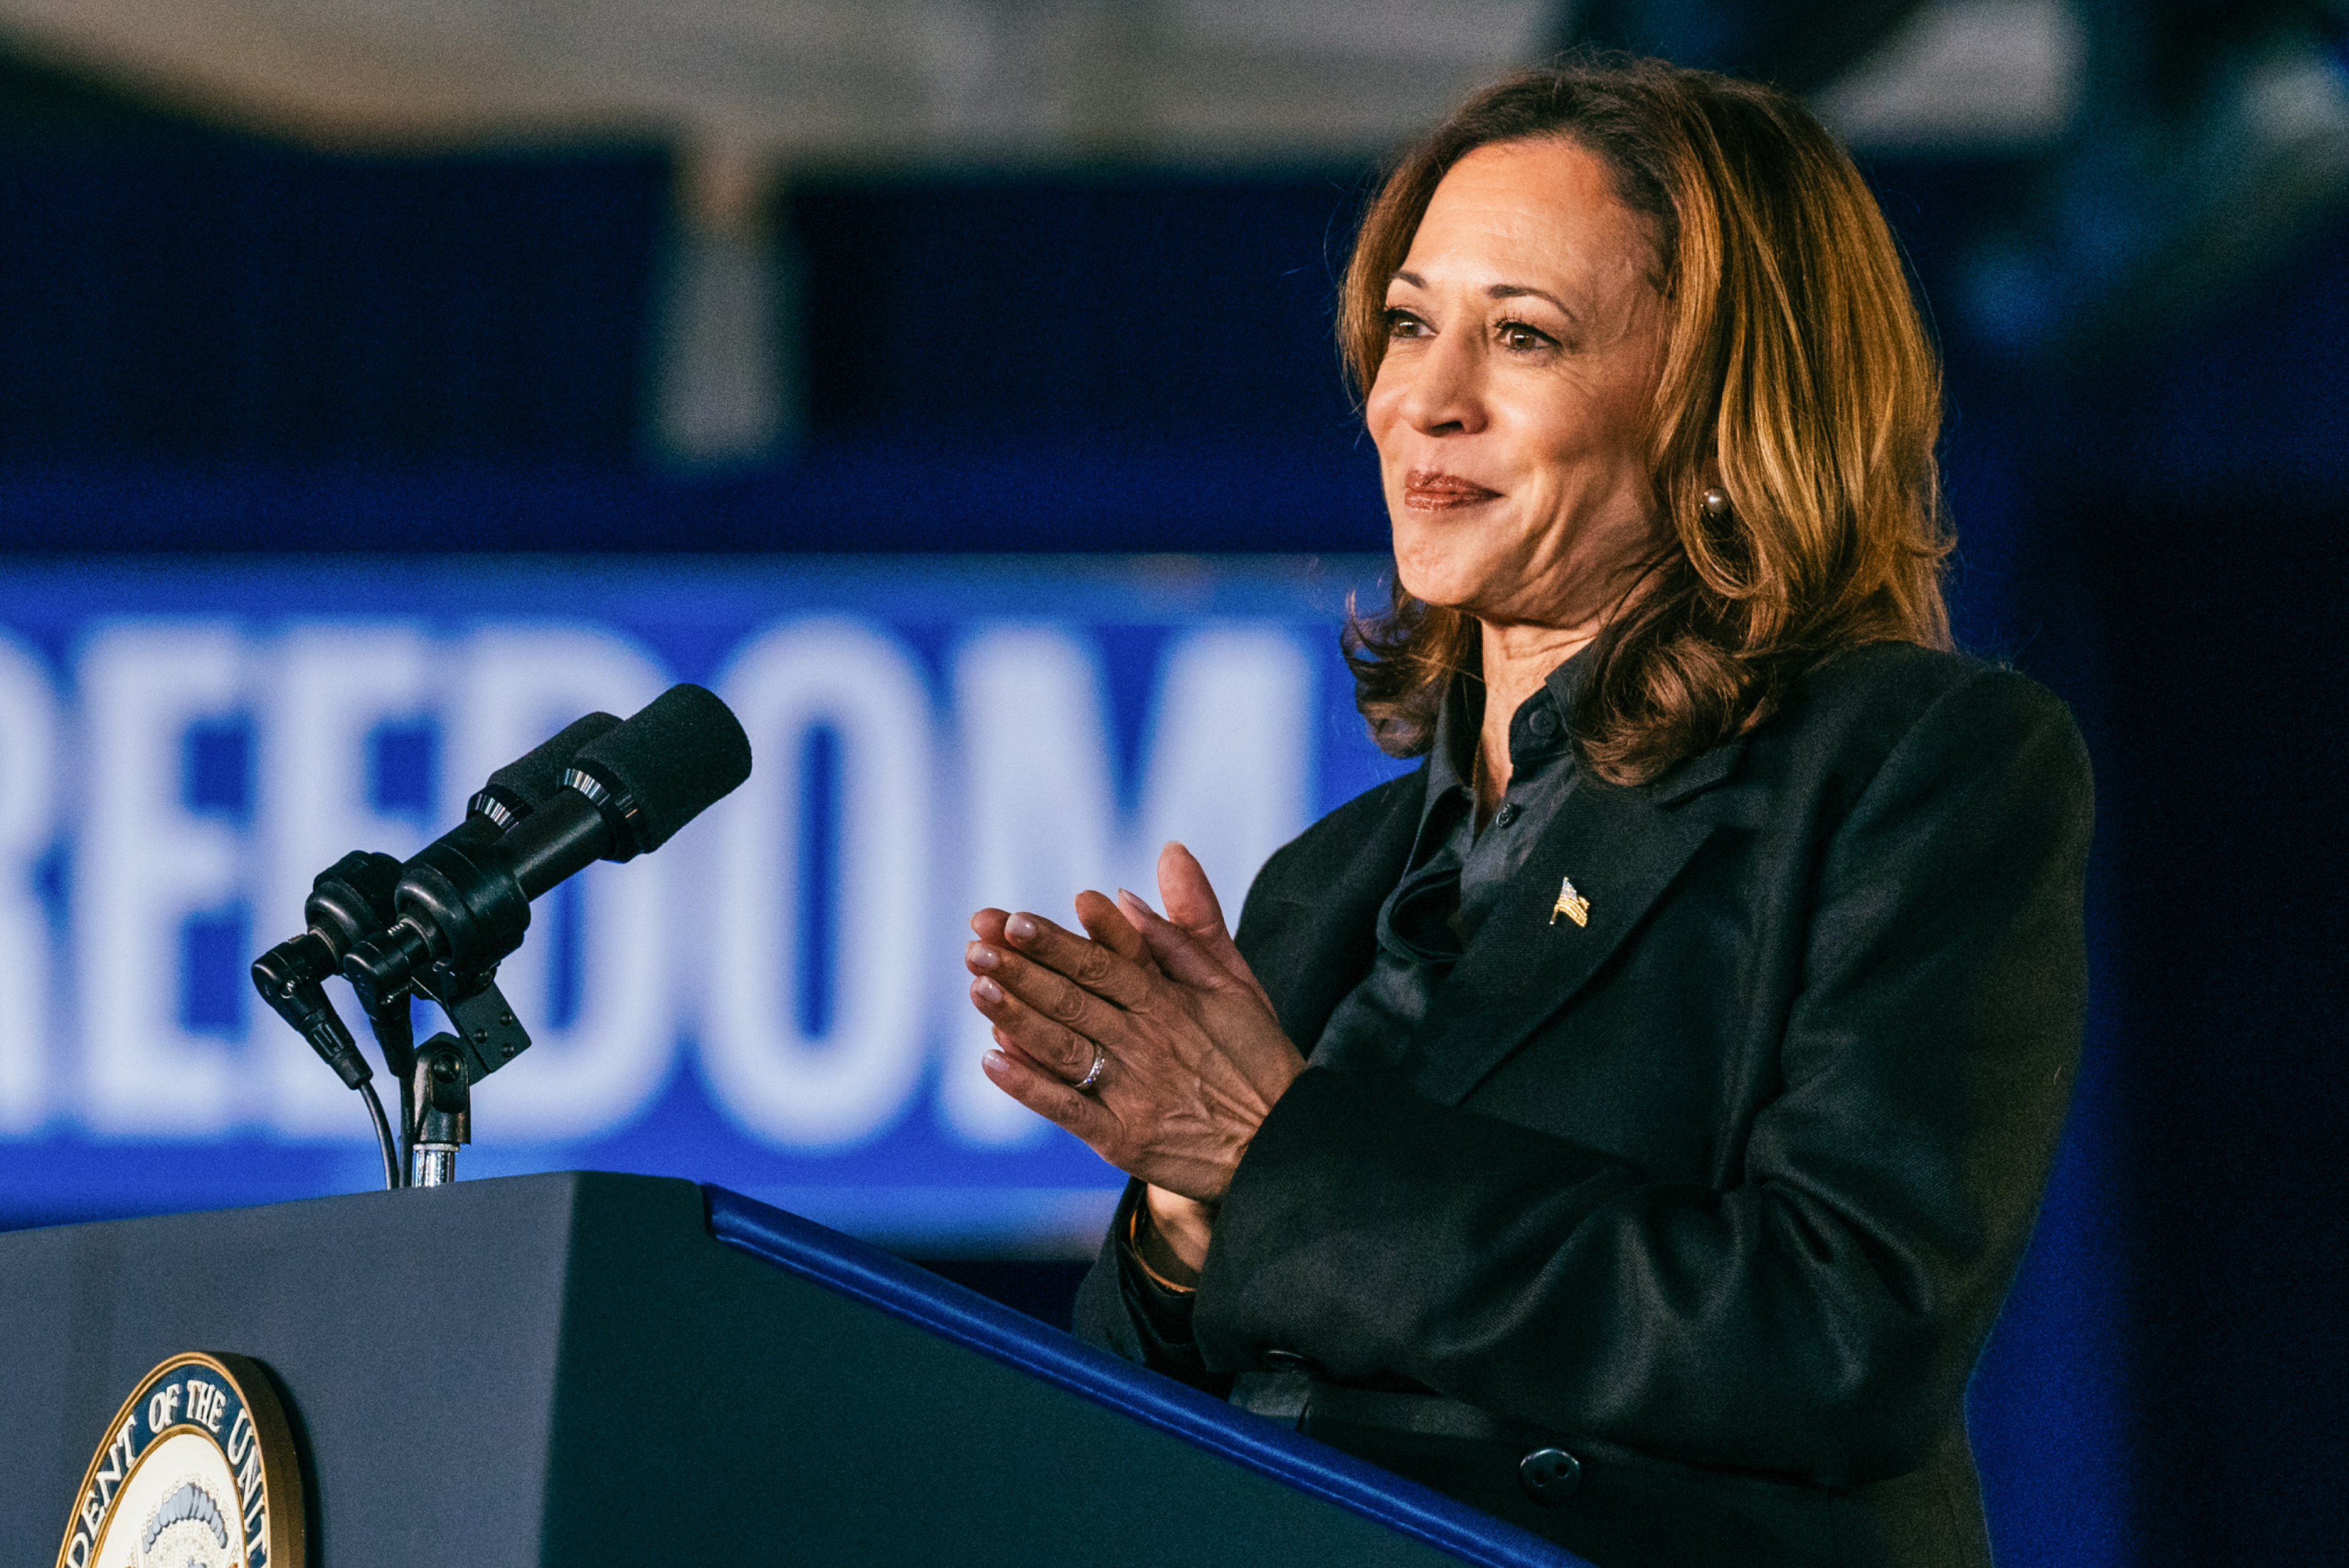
{"type": "Point", "coordinates": [1121, 1309]}
{"type": "Point", "coordinates": [1820, 1316]}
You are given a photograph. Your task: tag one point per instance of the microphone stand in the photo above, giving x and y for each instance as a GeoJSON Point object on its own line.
{"type": "Point", "coordinates": [443, 1096]}
{"type": "Point", "coordinates": [436, 1077]}
{"type": "Point", "coordinates": [448, 1065]}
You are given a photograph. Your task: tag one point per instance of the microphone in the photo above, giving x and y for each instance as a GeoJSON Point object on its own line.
{"type": "Point", "coordinates": [354, 899]}
{"type": "Point", "coordinates": [464, 904]}
{"type": "Point", "coordinates": [527, 783]}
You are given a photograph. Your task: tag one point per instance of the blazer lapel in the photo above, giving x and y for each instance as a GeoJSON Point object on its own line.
{"type": "Point", "coordinates": [1312, 936]}
{"type": "Point", "coordinates": [1621, 848]}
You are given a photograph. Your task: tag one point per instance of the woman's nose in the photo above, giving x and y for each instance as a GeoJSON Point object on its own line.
{"type": "Point", "coordinates": [1443, 390]}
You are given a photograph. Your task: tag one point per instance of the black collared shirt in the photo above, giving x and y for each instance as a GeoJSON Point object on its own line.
{"type": "Point", "coordinates": [1457, 871]}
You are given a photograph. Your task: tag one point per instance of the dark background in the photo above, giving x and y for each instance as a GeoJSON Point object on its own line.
{"type": "Point", "coordinates": [215, 343]}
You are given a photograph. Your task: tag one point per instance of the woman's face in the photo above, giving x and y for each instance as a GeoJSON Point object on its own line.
{"type": "Point", "coordinates": [1525, 341]}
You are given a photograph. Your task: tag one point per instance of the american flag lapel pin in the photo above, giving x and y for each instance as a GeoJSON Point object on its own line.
{"type": "Point", "coordinates": [1570, 903]}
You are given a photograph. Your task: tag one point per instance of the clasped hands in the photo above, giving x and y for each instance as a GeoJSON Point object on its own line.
{"type": "Point", "coordinates": [1192, 1056]}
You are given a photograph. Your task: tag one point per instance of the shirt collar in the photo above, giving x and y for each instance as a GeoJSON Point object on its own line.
{"type": "Point", "coordinates": [1564, 684]}
{"type": "Point", "coordinates": [1456, 719]}
{"type": "Point", "coordinates": [1462, 712]}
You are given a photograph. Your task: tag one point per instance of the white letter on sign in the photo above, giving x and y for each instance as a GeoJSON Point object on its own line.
{"type": "Point", "coordinates": [1229, 743]}
{"type": "Point", "coordinates": [28, 730]}
{"type": "Point", "coordinates": [145, 863]}
{"type": "Point", "coordinates": [1038, 827]}
{"type": "Point", "coordinates": [803, 1088]}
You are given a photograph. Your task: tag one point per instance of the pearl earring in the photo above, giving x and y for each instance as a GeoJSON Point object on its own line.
{"type": "Point", "coordinates": [1716, 504]}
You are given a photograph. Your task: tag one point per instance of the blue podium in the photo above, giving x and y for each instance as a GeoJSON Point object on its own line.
{"type": "Point", "coordinates": [586, 1368]}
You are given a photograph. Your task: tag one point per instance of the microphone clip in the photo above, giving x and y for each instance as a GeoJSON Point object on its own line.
{"type": "Point", "coordinates": [487, 1034]}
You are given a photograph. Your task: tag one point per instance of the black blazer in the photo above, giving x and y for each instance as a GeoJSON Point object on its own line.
{"type": "Point", "coordinates": [1724, 1188]}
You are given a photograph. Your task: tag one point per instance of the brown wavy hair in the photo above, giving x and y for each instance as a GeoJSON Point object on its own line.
{"type": "Point", "coordinates": [1798, 377]}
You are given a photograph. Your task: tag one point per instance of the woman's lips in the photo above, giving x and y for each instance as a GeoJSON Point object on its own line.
{"type": "Point", "coordinates": [1424, 490]}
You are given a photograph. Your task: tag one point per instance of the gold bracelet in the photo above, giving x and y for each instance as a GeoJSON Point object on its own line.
{"type": "Point", "coordinates": [1134, 1245]}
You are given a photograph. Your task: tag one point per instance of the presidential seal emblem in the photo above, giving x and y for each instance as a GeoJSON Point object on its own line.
{"type": "Point", "coordinates": [196, 1471]}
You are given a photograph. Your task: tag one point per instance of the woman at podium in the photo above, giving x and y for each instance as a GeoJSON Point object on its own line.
{"type": "Point", "coordinates": [1631, 1121]}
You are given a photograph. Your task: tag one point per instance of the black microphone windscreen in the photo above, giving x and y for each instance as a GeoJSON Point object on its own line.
{"type": "Point", "coordinates": [685, 751]}
{"type": "Point", "coordinates": [529, 781]}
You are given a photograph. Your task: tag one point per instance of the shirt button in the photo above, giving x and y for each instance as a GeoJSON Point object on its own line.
{"type": "Point", "coordinates": [1549, 1476]}
{"type": "Point", "coordinates": [1543, 723]}
{"type": "Point", "coordinates": [1507, 814]}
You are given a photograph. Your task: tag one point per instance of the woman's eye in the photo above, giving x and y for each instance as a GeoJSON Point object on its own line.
{"type": "Point", "coordinates": [1403, 324]}
{"type": "Point", "coordinates": [1524, 339]}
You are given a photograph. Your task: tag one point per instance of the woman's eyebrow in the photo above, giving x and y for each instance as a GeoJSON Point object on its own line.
{"type": "Point", "coordinates": [1520, 290]}
{"type": "Point", "coordinates": [1499, 291]}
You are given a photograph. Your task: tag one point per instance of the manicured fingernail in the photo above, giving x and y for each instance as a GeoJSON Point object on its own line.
{"type": "Point", "coordinates": [1127, 896]}
{"type": "Point", "coordinates": [995, 1061]}
{"type": "Point", "coordinates": [981, 956]}
{"type": "Point", "coordinates": [986, 990]}
{"type": "Point", "coordinates": [1019, 927]}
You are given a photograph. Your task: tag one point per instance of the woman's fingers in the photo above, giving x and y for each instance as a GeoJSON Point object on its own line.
{"type": "Point", "coordinates": [1051, 1099]}
{"type": "Point", "coordinates": [1173, 949]}
{"type": "Point", "coordinates": [1051, 1045]}
{"type": "Point", "coordinates": [1192, 1054]}
{"type": "Point", "coordinates": [1005, 1042]}
{"type": "Point", "coordinates": [1098, 969]}
{"type": "Point", "coordinates": [1196, 949]}
{"type": "Point", "coordinates": [1191, 903]}
{"type": "Point", "coordinates": [1108, 925]}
